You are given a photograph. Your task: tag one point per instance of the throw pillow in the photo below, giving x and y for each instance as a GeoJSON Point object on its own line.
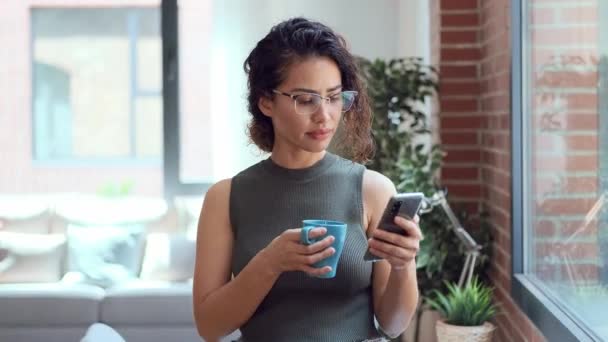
{"type": "Point", "coordinates": [31, 257]}
{"type": "Point", "coordinates": [105, 255]}
{"type": "Point", "coordinates": [169, 257]}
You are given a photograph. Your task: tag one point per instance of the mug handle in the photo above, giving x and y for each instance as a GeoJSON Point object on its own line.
{"type": "Point", "coordinates": [304, 235]}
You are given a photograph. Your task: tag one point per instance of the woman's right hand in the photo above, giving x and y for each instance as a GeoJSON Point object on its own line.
{"type": "Point", "coordinates": [286, 253]}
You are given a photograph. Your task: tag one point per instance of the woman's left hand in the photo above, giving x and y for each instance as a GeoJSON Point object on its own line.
{"type": "Point", "coordinates": [397, 249]}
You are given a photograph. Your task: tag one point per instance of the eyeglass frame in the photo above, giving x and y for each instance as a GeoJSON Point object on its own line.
{"type": "Point", "coordinates": [326, 99]}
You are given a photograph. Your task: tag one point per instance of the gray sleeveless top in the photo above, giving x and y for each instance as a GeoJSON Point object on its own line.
{"type": "Point", "coordinates": [267, 199]}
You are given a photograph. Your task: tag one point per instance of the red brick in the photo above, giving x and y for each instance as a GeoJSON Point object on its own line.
{"type": "Point", "coordinates": [566, 163]}
{"type": "Point", "coordinates": [459, 19]}
{"type": "Point", "coordinates": [581, 122]}
{"type": "Point", "coordinates": [459, 105]}
{"type": "Point", "coordinates": [498, 82]}
{"type": "Point", "coordinates": [459, 138]}
{"type": "Point", "coordinates": [570, 121]}
{"type": "Point", "coordinates": [542, 185]}
{"type": "Point", "coordinates": [565, 36]}
{"type": "Point", "coordinates": [495, 102]}
{"type": "Point", "coordinates": [460, 54]}
{"type": "Point", "coordinates": [564, 55]}
{"type": "Point", "coordinates": [464, 190]}
{"type": "Point", "coordinates": [492, 46]}
{"type": "Point", "coordinates": [579, 228]}
{"type": "Point", "coordinates": [498, 160]}
{"type": "Point", "coordinates": [587, 142]}
{"type": "Point", "coordinates": [565, 206]}
{"type": "Point", "coordinates": [585, 273]}
{"type": "Point", "coordinates": [500, 180]}
{"type": "Point", "coordinates": [447, 5]}
{"type": "Point", "coordinates": [471, 206]}
{"type": "Point", "coordinates": [545, 228]}
{"type": "Point", "coordinates": [542, 16]}
{"type": "Point", "coordinates": [581, 185]}
{"type": "Point", "coordinates": [502, 259]}
{"type": "Point", "coordinates": [463, 156]}
{"type": "Point", "coordinates": [459, 88]}
{"type": "Point", "coordinates": [498, 198]}
{"type": "Point", "coordinates": [566, 79]}
{"type": "Point", "coordinates": [574, 250]}
{"type": "Point", "coordinates": [503, 239]}
{"type": "Point", "coordinates": [495, 140]}
{"type": "Point", "coordinates": [458, 71]}
{"type": "Point", "coordinates": [501, 122]}
{"type": "Point", "coordinates": [458, 37]}
{"type": "Point", "coordinates": [460, 172]}
{"type": "Point", "coordinates": [547, 272]}
{"type": "Point", "coordinates": [463, 122]}
{"type": "Point", "coordinates": [579, 14]}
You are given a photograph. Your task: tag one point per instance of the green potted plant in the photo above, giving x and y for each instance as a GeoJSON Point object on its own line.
{"type": "Point", "coordinates": [465, 312]}
{"type": "Point", "coordinates": [407, 154]}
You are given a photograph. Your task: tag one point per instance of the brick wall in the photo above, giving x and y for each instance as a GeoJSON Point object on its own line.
{"type": "Point", "coordinates": [475, 131]}
{"type": "Point", "coordinates": [460, 106]}
{"type": "Point", "coordinates": [564, 95]}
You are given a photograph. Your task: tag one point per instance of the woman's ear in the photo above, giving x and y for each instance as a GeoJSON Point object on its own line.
{"type": "Point", "coordinates": [265, 105]}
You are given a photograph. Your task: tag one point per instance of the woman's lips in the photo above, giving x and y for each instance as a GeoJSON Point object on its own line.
{"type": "Point", "coordinates": [320, 134]}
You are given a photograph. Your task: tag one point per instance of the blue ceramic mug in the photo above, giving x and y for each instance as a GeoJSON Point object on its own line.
{"type": "Point", "coordinates": [336, 229]}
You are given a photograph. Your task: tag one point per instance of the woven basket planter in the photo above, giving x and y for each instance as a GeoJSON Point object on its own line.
{"type": "Point", "coordinates": [456, 333]}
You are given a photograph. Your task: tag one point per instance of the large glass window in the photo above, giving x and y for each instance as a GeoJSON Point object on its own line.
{"type": "Point", "coordinates": [96, 83]}
{"type": "Point", "coordinates": [117, 96]}
{"type": "Point", "coordinates": [565, 147]}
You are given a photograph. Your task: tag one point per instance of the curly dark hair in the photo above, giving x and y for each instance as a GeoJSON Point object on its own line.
{"type": "Point", "coordinates": [294, 40]}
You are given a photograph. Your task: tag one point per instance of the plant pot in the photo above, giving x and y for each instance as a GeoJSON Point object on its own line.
{"type": "Point", "coordinates": [456, 333]}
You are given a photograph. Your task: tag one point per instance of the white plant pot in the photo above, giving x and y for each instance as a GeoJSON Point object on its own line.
{"type": "Point", "coordinates": [456, 333]}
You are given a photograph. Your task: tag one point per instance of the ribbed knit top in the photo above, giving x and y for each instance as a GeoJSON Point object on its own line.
{"type": "Point", "coordinates": [267, 199]}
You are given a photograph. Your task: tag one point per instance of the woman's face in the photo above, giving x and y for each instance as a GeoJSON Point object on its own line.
{"type": "Point", "coordinates": [312, 132]}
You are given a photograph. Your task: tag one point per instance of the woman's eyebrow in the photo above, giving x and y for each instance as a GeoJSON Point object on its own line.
{"type": "Point", "coordinates": [306, 90]}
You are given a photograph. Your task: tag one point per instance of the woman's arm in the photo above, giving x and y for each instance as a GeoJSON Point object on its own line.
{"type": "Point", "coordinates": [395, 287]}
{"type": "Point", "coordinates": [222, 305]}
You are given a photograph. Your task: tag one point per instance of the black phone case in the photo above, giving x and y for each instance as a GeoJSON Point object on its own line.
{"type": "Point", "coordinates": [405, 205]}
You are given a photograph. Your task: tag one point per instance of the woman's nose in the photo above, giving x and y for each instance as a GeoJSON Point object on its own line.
{"type": "Point", "coordinates": [323, 113]}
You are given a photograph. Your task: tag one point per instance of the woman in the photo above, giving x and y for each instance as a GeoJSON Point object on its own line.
{"type": "Point", "coordinates": [251, 271]}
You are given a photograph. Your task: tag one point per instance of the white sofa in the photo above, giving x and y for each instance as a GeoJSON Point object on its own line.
{"type": "Point", "coordinates": [58, 312]}
{"type": "Point", "coordinates": [41, 300]}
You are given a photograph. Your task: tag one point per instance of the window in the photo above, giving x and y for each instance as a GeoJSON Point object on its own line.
{"type": "Point", "coordinates": [114, 95]}
{"type": "Point", "coordinates": [560, 166]}
{"type": "Point", "coordinates": [96, 84]}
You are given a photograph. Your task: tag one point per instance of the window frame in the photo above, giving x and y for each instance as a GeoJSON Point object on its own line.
{"type": "Point", "coordinates": [541, 307]}
{"type": "Point", "coordinates": [173, 186]}
{"type": "Point", "coordinates": [135, 92]}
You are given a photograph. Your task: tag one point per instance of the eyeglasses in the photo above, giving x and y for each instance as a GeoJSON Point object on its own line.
{"type": "Point", "coordinates": [308, 103]}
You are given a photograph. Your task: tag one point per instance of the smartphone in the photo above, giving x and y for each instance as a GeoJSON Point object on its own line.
{"type": "Point", "coordinates": [405, 205]}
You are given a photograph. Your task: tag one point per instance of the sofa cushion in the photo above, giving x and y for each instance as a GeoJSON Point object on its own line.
{"type": "Point", "coordinates": [145, 303]}
{"type": "Point", "coordinates": [169, 257]}
{"type": "Point", "coordinates": [31, 257]}
{"type": "Point", "coordinates": [25, 213]}
{"type": "Point", "coordinates": [49, 304]}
